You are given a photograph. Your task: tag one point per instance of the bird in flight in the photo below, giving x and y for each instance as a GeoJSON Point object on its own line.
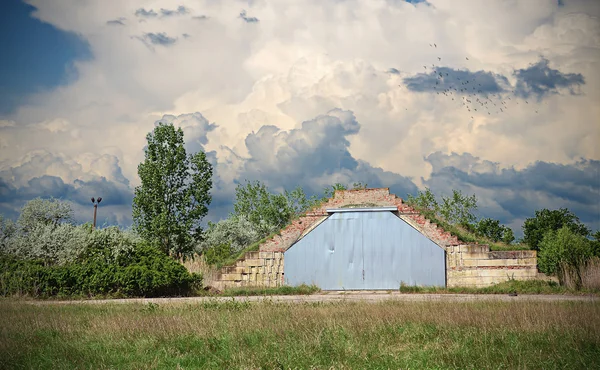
{"type": "Point", "coordinates": [466, 58]}
{"type": "Point", "coordinates": [435, 45]}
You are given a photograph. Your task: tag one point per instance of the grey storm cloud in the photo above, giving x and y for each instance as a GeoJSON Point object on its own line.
{"type": "Point", "coordinates": [465, 82]}
{"type": "Point", "coordinates": [539, 80]}
{"type": "Point", "coordinates": [114, 195]}
{"type": "Point", "coordinates": [160, 38]}
{"type": "Point", "coordinates": [313, 156]}
{"type": "Point", "coordinates": [248, 19]}
{"type": "Point", "coordinates": [145, 13]}
{"type": "Point", "coordinates": [181, 10]}
{"type": "Point", "coordinates": [519, 193]}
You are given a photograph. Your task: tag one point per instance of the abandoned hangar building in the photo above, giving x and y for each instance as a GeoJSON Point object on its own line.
{"type": "Point", "coordinates": [370, 239]}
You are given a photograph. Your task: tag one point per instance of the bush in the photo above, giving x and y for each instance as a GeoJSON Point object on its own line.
{"type": "Point", "coordinates": [562, 249]}
{"type": "Point", "coordinates": [141, 271]}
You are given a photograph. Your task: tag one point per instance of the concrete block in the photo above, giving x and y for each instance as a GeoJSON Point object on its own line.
{"type": "Point", "coordinates": [253, 262]}
{"type": "Point", "coordinates": [269, 255]}
{"type": "Point", "coordinates": [226, 277]}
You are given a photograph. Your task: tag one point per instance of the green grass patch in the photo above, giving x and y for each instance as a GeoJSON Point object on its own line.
{"type": "Point", "coordinates": [282, 290]}
{"type": "Point", "coordinates": [510, 286]}
{"type": "Point", "coordinates": [242, 335]}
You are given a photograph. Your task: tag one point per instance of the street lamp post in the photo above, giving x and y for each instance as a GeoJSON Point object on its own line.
{"type": "Point", "coordinates": [95, 202]}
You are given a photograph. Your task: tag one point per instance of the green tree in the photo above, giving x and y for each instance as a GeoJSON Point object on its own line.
{"type": "Point", "coordinates": [174, 194]}
{"type": "Point", "coordinates": [329, 191]}
{"type": "Point", "coordinates": [459, 208]}
{"type": "Point", "coordinates": [269, 212]}
{"type": "Point", "coordinates": [562, 248]}
{"type": "Point", "coordinates": [425, 200]}
{"type": "Point", "coordinates": [595, 243]}
{"type": "Point", "coordinates": [534, 228]}
{"type": "Point", "coordinates": [493, 230]}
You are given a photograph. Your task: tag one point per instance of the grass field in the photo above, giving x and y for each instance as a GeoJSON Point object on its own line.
{"type": "Point", "coordinates": [237, 335]}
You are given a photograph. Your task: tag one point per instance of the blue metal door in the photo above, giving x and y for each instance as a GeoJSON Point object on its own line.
{"type": "Point", "coordinates": [354, 250]}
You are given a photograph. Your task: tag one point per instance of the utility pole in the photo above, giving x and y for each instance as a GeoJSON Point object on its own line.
{"type": "Point", "coordinates": [95, 202]}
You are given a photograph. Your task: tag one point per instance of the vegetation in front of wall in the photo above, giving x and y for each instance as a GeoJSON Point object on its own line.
{"type": "Point", "coordinates": [507, 287]}
{"type": "Point", "coordinates": [263, 291]}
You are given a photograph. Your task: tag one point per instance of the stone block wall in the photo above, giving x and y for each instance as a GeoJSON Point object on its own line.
{"type": "Point", "coordinates": [476, 266]}
{"type": "Point", "coordinates": [254, 269]}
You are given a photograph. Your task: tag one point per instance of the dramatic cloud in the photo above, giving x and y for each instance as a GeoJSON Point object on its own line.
{"type": "Point", "coordinates": [513, 195]}
{"type": "Point", "coordinates": [323, 92]}
{"type": "Point", "coordinates": [42, 174]}
{"type": "Point", "coordinates": [314, 156]}
{"type": "Point", "coordinates": [539, 80]}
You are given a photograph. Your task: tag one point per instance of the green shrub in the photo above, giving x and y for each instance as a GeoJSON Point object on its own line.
{"type": "Point", "coordinates": [562, 246]}
{"type": "Point", "coordinates": [143, 271]}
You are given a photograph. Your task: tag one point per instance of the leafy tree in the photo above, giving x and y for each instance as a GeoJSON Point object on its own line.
{"type": "Point", "coordinates": [493, 230]}
{"type": "Point", "coordinates": [595, 243]}
{"type": "Point", "coordinates": [44, 212]}
{"type": "Point", "coordinates": [329, 191]}
{"type": "Point", "coordinates": [562, 248]}
{"type": "Point", "coordinates": [534, 228]}
{"type": "Point", "coordinates": [508, 236]}
{"type": "Point", "coordinates": [424, 200]}
{"type": "Point", "coordinates": [175, 192]}
{"type": "Point", "coordinates": [459, 208]}
{"type": "Point", "coordinates": [269, 212]}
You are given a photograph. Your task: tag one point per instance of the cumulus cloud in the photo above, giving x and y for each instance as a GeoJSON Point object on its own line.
{"type": "Point", "coordinates": [264, 85]}
{"type": "Point", "coordinates": [512, 195]}
{"type": "Point", "coordinates": [314, 155]}
{"type": "Point", "coordinates": [43, 174]}
{"type": "Point", "coordinates": [463, 82]}
{"type": "Point", "coordinates": [539, 80]}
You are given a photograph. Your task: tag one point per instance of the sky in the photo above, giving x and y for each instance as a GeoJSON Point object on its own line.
{"type": "Point", "coordinates": [496, 98]}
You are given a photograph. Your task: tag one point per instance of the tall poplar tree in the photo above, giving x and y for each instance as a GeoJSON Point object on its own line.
{"type": "Point", "coordinates": [175, 192]}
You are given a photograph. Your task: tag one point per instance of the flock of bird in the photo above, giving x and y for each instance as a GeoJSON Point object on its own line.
{"type": "Point", "coordinates": [468, 93]}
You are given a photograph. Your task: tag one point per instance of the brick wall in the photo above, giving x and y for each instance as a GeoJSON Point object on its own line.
{"type": "Point", "coordinates": [467, 265]}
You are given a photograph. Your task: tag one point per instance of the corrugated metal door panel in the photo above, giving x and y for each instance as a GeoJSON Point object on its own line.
{"type": "Point", "coordinates": [364, 250]}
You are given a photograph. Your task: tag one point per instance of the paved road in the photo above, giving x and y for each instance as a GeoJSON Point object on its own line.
{"type": "Point", "coordinates": [356, 296]}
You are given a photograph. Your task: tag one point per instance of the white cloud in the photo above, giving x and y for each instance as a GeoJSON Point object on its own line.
{"type": "Point", "coordinates": [301, 60]}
